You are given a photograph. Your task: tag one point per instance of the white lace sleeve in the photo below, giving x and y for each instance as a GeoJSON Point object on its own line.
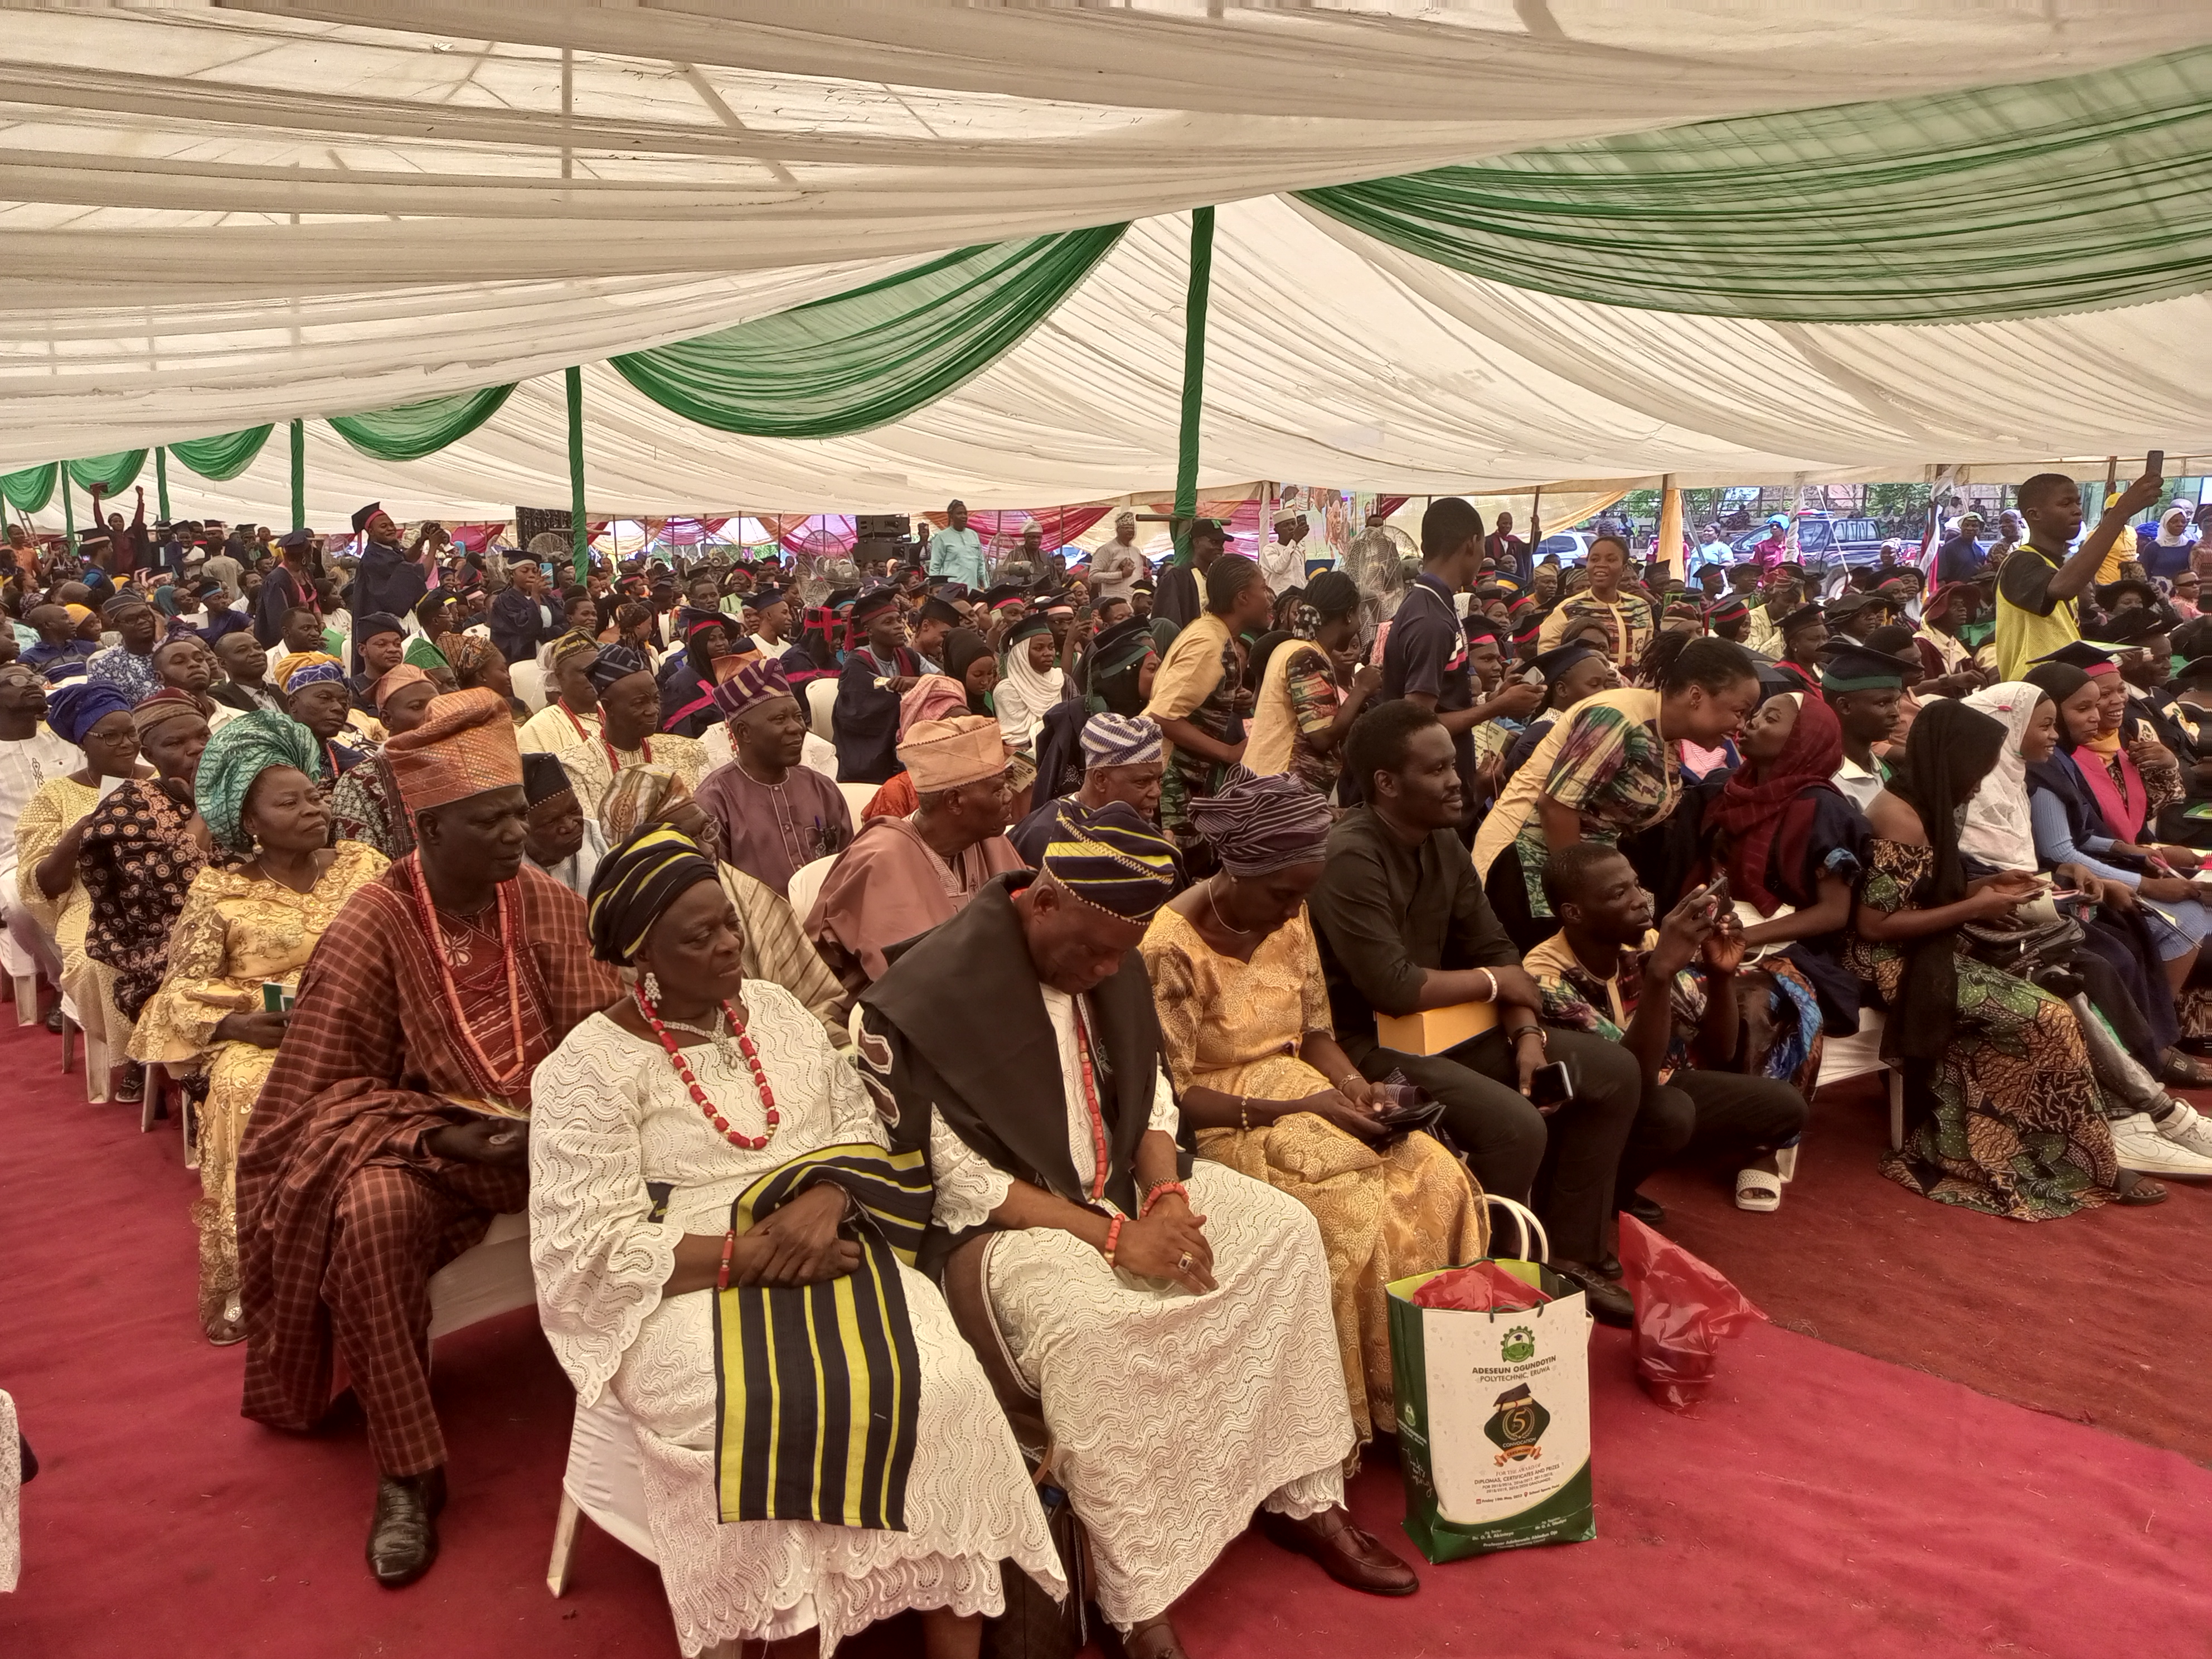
{"type": "Point", "coordinates": [1166, 1117]}
{"type": "Point", "coordinates": [853, 1115]}
{"type": "Point", "coordinates": [599, 1262]}
{"type": "Point", "coordinates": [968, 1188]}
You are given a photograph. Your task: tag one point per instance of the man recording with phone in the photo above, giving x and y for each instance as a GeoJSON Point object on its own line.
{"type": "Point", "coordinates": [2040, 586]}
{"type": "Point", "coordinates": [1668, 996]}
{"type": "Point", "coordinates": [1403, 928]}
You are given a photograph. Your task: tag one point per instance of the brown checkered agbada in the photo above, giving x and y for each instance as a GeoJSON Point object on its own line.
{"type": "Point", "coordinates": [343, 1217]}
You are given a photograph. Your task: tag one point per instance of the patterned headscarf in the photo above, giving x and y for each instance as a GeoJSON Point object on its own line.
{"type": "Point", "coordinates": [75, 708]}
{"type": "Point", "coordinates": [241, 749]}
{"type": "Point", "coordinates": [635, 884]}
{"type": "Point", "coordinates": [302, 668]}
{"type": "Point", "coordinates": [934, 697]}
{"type": "Point", "coordinates": [639, 795]}
{"type": "Point", "coordinates": [1121, 740]}
{"type": "Point", "coordinates": [1260, 825]}
{"type": "Point", "coordinates": [468, 653]}
{"type": "Point", "coordinates": [616, 662]}
{"type": "Point", "coordinates": [570, 644]}
{"type": "Point", "coordinates": [1111, 859]}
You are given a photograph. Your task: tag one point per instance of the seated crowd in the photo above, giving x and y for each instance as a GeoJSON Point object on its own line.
{"type": "Point", "coordinates": [973, 1150]}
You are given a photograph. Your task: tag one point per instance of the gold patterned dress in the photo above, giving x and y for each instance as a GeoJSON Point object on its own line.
{"type": "Point", "coordinates": [55, 805]}
{"type": "Point", "coordinates": [235, 932]}
{"type": "Point", "coordinates": [1385, 1212]}
{"type": "Point", "coordinates": [2018, 1128]}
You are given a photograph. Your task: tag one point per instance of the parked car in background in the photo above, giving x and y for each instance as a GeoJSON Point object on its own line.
{"type": "Point", "coordinates": [1569, 547]}
{"type": "Point", "coordinates": [1823, 541]}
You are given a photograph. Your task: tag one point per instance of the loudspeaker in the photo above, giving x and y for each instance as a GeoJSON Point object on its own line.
{"type": "Point", "coordinates": [882, 526]}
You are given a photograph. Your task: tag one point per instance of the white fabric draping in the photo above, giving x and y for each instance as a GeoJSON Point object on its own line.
{"type": "Point", "coordinates": [211, 217]}
{"type": "Point", "coordinates": [1332, 359]}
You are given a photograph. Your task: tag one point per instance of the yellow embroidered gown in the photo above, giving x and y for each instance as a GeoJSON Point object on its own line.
{"type": "Point", "coordinates": [235, 932]}
{"type": "Point", "coordinates": [1238, 1027]}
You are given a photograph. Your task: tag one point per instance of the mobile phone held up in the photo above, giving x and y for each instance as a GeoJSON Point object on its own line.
{"type": "Point", "coordinates": [1550, 1086]}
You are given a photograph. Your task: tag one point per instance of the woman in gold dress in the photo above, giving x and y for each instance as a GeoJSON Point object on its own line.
{"type": "Point", "coordinates": [96, 717]}
{"type": "Point", "coordinates": [245, 926]}
{"type": "Point", "coordinates": [1245, 1031]}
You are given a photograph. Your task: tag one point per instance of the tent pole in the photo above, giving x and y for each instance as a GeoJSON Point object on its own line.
{"type": "Point", "coordinates": [162, 481]}
{"type": "Point", "coordinates": [69, 510]}
{"type": "Point", "coordinates": [299, 475]}
{"type": "Point", "coordinates": [579, 536]}
{"type": "Point", "coordinates": [1193, 376]}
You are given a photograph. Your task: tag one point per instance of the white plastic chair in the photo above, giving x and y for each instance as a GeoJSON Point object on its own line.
{"type": "Point", "coordinates": [821, 698]}
{"type": "Point", "coordinates": [1845, 1058]}
{"type": "Point", "coordinates": [806, 886]}
{"type": "Point", "coordinates": [22, 976]}
{"type": "Point", "coordinates": [529, 681]}
{"type": "Point", "coordinates": [485, 1280]}
{"type": "Point", "coordinates": [857, 796]}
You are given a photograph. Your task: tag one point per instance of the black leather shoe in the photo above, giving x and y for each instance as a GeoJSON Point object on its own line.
{"type": "Point", "coordinates": [1609, 1304]}
{"type": "Point", "coordinates": [54, 1019]}
{"type": "Point", "coordinates": [403, 1538]}
{"type": "Point", "coordinates": [1648, 1210]}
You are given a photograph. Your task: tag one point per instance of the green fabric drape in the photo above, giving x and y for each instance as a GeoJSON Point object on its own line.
{"type": "Point", "coordinates": [30, 489]}
{"type": "Point", "coordinates": [580, 532]}
{"type": "Point", "coordinates": [224, 457]}
{"type": "Point", "coordinates": [162, 483]}
{"type": "Point", "coordinates": [861, 360]}
{"type": "Point", "coordinates": [111, 473]}
{"type": "Point", "coordinates": [408, 432]}
{"type": "Point", "coordinates": [299, 436]}
{"type": "Point", "coordinates": [1195, 299]}
{"type": "Point", "coordinates": [2023, 201]}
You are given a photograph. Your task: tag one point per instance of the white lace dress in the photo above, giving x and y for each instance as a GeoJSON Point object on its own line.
{"type": "Point", "coordinates": [611, 1114]}
{"type": "Point", "coordinates": [1172, 1415]}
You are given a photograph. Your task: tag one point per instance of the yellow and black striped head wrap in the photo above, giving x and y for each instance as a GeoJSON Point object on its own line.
{"type": "Point", "coordinates": [1112, 859]}
{"type": "Point", "coordinates": [635, 885]}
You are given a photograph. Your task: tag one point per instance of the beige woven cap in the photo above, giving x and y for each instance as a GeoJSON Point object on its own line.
{"type": "Point", "coordinates": [945, 754]}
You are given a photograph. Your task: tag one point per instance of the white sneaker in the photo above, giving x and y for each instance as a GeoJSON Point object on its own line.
{"type": "Point", "coordinates": [2139, 1146]}
{"type": "Point", "coordinates": [2185, 1127]}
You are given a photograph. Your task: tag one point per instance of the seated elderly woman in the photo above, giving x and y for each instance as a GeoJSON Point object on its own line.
{"type": "Point", "coordinates": [143, 847]}
{"type": "Point", "coordinates": [702, 1166]}
{"type": "Point", "coordinates": [775, 947]}
{"type": "Point", "coordinates": [1245, 1031]}
{"type": "Point", "coordinates": [931, 697]}
{"type": "Point", "coordinates": [317, 694]}
{"type": "Point", "coordinates": [243, 928]}
{"type": "Point", "coordinates": [50, 834]}
{"type": "Point", "coordinates": [365, 805]}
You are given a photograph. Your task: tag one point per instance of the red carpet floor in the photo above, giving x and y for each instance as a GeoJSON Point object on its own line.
{"type": "Point", "coordinates": [1820, 1494]}
{"type": "Point", "coordinates": [2100, 1318]}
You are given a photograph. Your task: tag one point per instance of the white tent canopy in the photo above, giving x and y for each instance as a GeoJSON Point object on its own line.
{"type": "Point", "coordinates": [214, 218]}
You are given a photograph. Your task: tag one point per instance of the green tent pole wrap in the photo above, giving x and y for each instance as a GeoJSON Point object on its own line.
{"type": "Point", "coordinates": [579, 536]}
{"type": "Point", "coordinates": [1193, 376]}
{"type": "Point", "coordinates": [68, 511]}
{"type": "Point", "coordinates": [299, 475]}
{"type": "Point", "coordinates": [161, 482]}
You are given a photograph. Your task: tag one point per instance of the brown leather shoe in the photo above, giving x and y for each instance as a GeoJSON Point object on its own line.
{"type": "Point", "coordinates": [402, 1537]}
{"type": "Point", "coordinates": [1353, 1558]}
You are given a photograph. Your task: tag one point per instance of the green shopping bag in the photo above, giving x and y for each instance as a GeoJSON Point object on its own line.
{"type": "Point", "coordinates": [1494, 1418]}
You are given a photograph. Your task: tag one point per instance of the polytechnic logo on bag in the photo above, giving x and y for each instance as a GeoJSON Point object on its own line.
{"type": "Point", "coordinates": [1516, 1427]}
{"type": "Point", "coordinates": [1519, 1344]}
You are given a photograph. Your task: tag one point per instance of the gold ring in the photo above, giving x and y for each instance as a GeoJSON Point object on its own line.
{"type": "Point", "coordinates": [1183, 1262]}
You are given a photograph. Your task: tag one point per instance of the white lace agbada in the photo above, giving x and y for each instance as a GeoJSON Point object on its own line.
{"type": "Point", "coordinates": [609, 1114]}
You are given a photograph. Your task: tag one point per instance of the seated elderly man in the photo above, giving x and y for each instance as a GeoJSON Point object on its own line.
{"type": "Point", "coordinates": [775, 813]}
{"type": "Point", "coordinates": [395, 1123]}
{"type": "Point", "coordinates": [1169, 1322]}
{"type": "Point", "coordinates": [1123, 760]}
{"type": "Point", "coordinates": [902, 876]}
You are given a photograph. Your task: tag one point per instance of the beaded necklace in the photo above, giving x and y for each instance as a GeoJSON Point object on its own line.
{"type": "Point", "coordinates": [698, 1095]}
{"type": "Point", "coordinates": [502, 1083]}
{"type": "Point", "coordinates": [614, 760]}
{"type": "Point", "coordinates": [561, 704]}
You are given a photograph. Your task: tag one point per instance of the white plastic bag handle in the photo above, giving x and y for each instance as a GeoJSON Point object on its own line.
{"type": "Point", "coordinates": [1530, 1229]}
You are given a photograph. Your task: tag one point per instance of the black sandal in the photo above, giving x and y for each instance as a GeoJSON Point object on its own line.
{"type": "Point", "coordinates": [2133, 1187]}
{"type": "Point", "coordinates": [2179, 1070]}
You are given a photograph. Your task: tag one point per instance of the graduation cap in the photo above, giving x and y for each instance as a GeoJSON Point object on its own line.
{"type": "Point", "coordinates": [936, 610]}
{"type": "Point", "coordinates": [2197, 670]}
{"type": "Point", "coordinates": [837, 596]}
{"type": "Point", "coordinates": [995, 596]}
{"type": "Point", "coordinates": [362, 515]}
{"type": "Point", "coordinates": [1732, 609]}
{"type": "Point", "coordinates": [690, 619]}
{"type": "Point", "coordinates": [1855, 668]}
{"type": "Point", "coordinates": [873, 603]}
{"type": "Point", "coordinates": [2089, 659]}
{"type": "Point", "coordinates": [2136, 623]}
{"type": "Point", "coordinates": [1803, 616]}
{"type": "Point", "coordinates": [1560, 658]}
{"type": "Point", "coordinates": [761, 598]}
{"type": "Point", "coordinates": [1480, 628]}
{"type": "Point", "coordinates": [1029, 628]}
{"type": "Point", "coordinates": [2109, 594]}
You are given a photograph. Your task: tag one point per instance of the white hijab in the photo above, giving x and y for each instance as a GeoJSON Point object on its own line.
{"type": "Point", "coordinates": [1997, 830]}
{"type": "Point", "coordinates": [2180, 537]}
{"type": "Point", "coordinates": [1035, 692]}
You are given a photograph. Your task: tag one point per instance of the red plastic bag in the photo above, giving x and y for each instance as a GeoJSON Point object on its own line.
{"type": "Point", "coordinates": [1482, 1288]}
{"type": "Point", "coordinates": [1683, 1309]}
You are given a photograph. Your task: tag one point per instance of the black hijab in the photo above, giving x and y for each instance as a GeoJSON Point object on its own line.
{"type": "Point", "coordinates": [963, 647]}
{"type": "Point", "coordinates": [1953, 748]}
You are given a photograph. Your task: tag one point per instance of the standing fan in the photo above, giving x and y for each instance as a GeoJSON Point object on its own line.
{"type": "Point", "coordinates": [1376, 561]}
